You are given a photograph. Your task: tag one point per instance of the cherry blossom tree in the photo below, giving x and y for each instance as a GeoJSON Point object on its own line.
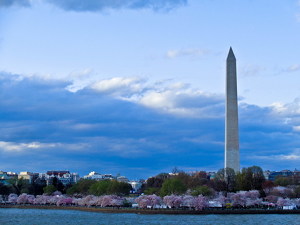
{"type": "Point", "coordinates": [252, 194]}
{"type": "Point", "coordinates": [220, 198]}
{"type": "Point", "coordinates": [188, 201]}
{"type": "Point", "coordinates": [284, 202]}
{"type": "Point", "coordinates": [41, 200]}
{"type": "Point", "coordinates": [271, 198]}
{"type": "Point", "coordinates": [143, 201]}
{"type": "Point", "coordinates": [12, 198]}
{"type": "Point", "coordinates": [173, 201]}
{"type": "Point", "coordinates": [154, 200]}
{"type": "Point", "coordinates": [238, 199]}
{"type": "Point", "coordinates": [116, 200]}
{"type": "Point", "coordinates": [201, 202]}
{"type": "Point", "coordinates": [62, 200]}
{"type": "Point", "coordinates": [297, 202]}
{"type": "Point", "coordinates": [89, 200]}
{"type": "Point", "coordinates": [30, 199]}
{"type": "Point", "coordinates": [22, 199]}
{"type": "Point", "coordinates": [53, 200]}
{"type": "Point", "coordinates": [55, 193]}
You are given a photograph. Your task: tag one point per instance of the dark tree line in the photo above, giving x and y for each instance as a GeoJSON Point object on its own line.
{"type": "Point", "coordinates": [226, 180]}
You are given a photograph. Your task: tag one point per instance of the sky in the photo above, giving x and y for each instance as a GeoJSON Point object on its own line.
{"type": "Point", "coordinates": [137, 87]}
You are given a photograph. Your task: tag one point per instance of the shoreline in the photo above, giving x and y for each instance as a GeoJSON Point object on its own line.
{"type": "Point", "coordinates": [158, 211]}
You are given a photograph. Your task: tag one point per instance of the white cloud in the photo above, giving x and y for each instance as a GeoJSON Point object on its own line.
{"type": "Point", "coordinates": [174, 98]}
{"type": "Point", "coordinates": [194, 52]}
{"type": "Point", "coordinates": [278, 107]}
{"type": "Point", "coordinates": [293, 156]}
{"type": "Point", "coordinates": [293, 68]}
{"type": "Point", "coordinates": [20, 147]}
{"type": "Point", "coordinates": [290, 157]}
{"type": "Point", "coordinates": [181, 101]}
{"type": "Point", "coordinates": [17, 147]}
{"type": "Point", "coordinates": [296, 128]}
{"type": "Point", "coordinates": [119, 85]}
{"type": "Point", "coordinates": [289, 110]}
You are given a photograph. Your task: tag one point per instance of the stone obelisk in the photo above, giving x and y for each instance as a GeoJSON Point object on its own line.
{"type": "Point", "coordinates": [232, 152]}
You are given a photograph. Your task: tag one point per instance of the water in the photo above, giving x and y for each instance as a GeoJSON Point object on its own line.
{"type": "Point", "coordinates": [65, 217]}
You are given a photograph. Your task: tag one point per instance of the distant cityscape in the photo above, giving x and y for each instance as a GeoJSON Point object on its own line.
{"type": "Point", "coordinates": [69, 178]}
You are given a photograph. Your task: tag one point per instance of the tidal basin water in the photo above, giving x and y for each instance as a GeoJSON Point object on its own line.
{"type": "Point", "coordinates": [49, 216]}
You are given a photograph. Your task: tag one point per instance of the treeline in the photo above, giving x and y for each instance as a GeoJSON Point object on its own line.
{"type": "Point", "coordinates": [225, 180]}
{"type": "Point", "coordinates": [97, 188]}
{"type": "Point", "coordinates": [82, 187]}
{"type": "Point", "coordinates": [199, 183]}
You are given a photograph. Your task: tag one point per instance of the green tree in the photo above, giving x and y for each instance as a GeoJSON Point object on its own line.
{"type": "Point", "coordinates": [58, 184]}
{"type": "Point", "coordinates": [4, 189]}
{"type": "Point", "coordinates": [172, 186]}
{"type": "Point", "coordinates": [81, 187]}
{"type": "Point", "coordinates": [151, 191]}
{"type": "Point", "coordinates": [110, 187]}
{"type": "Point", "coordinates": [228, 177]}
{"type": "Point", "coordinates": [283, 181]}
{"type": "Point", "coordinates": [297, 191]}
{"type": "Point", "coordinates": [202, 190]}
{"type": "Point", "coordinates": [36, 188]}
{"type": "Point", "coordinates": [118, 188]}
{"type": "Point", "coordinates": [198, 179]}
{"type": "Point", "coordinates": [49, 189]}
{"type": "Point", "coordinates": [19, 185]}
{"type": "Point", "coordinates": [258, 177]}
{"type": "Point", "coordinates": [99, 188]}
{"type": "Point", "coordinates": [250, 178]}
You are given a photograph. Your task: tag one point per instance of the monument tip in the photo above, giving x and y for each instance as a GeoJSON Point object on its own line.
{"type": "Point", "coordinates": [230, 53]}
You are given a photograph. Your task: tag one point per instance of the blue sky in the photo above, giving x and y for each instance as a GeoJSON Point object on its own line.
{"type": "Point", "coordinates": [137, 86]}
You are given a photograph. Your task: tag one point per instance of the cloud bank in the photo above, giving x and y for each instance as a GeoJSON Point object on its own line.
{"type": "Point", "coordinates": [9, 3]}
{"type": "Point", "coordinates": [99, 5]}
{"type": "Point", "coordinates": [131, 126]}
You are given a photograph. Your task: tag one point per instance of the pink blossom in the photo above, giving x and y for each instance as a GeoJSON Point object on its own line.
{"type": "Point", "coordinates": [188, 201]}
{"type": "Point", "coordinates": [106, 200]}
{"type": "Point", "coordinates": [173, 201]}
{"type": "Point", "coordinates": [12, 198]}
{"type": "Point", "coordinates": [88, 201]}
{"type": "Point", "coordinates": [253, 194]}
{"type": "Point", "coordinates": [56, 193]}
{"type": "Point", "coordinates": [220, 198]}
{"type": "Point", "coordinates": [30, 199]}
{"type": "Point", "coordinates": [22, 199]}
{"type": "Point", "coordinates": [297, 202]}
{"type": "Point", "coordinates": [284, 202]}
{"type": "Point", "coordinates": [201, 202]}
{"type": "Point", "coordinates": [154, 200]}
{"type": "Point", "coordinates": [271, 198]}
{"type": "Point", "coordinates": [41, 200]}
{"type": "Point", "coordinates": [62, 200]}
{"type": "Point", "coordinates": [143, 201]}
{"type": "Point", "coordinates": [98, 200]}
{"type": "Point", "coordinates": [238, 199]}
{"type": "Point", "coordinates": [253, 202]}
{"type": "Point", "coordinates": [53, 200]}
{"type": "Point", "coordinates": [116, 200]}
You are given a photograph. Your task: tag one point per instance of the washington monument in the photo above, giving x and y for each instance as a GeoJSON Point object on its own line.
{"type": "Point", "coordinates": [232, 152]}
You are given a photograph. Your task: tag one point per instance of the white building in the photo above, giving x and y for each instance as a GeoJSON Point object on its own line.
{"type": "Point", "coordinates": [136, 185]}
{"type": "Point", "coordinates": [122, 179]}
{"type": "Point", "coordinates": [64, 176]}
{"type": "Point", "coordinates": [94, 176]}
